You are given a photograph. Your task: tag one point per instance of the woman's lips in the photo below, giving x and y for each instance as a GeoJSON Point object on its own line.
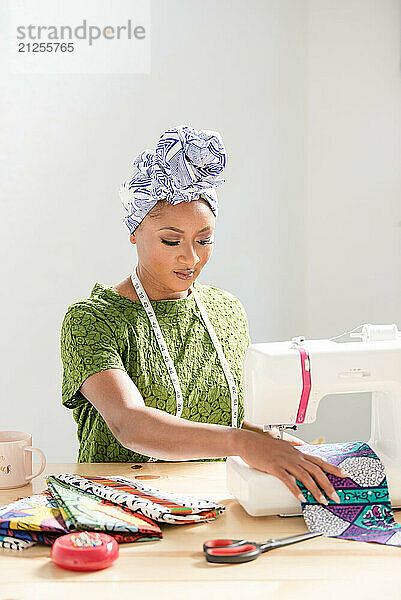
{"type": "Point", "coordinates": [184, 274]}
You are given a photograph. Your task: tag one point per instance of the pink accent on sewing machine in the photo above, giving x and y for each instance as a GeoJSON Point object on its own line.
{"type": "Point", "coordinates": [306, 385]}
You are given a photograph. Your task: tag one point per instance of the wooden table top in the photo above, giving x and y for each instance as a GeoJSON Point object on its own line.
{"type": "Point", "coordinates": [175, 567]}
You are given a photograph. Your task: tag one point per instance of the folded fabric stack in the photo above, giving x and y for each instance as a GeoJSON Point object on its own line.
{"type": "Point", "coordinates": [124, 508]}
{"type": "Point", "coordinates": [25, 522]}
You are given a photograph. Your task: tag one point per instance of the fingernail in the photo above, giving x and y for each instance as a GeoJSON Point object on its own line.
{"type": "Point", "coordinates": [334, 496]}
{"type": "Point", "coordinates": [323, 500]}
{"type": "Point", "coordinates": [302, 498]}
{"type": "Point", "coordinates": [345, 474]}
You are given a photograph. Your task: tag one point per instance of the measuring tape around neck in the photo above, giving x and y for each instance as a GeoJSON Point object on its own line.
{"type": "Point", "coordinates": [226, 368]}
{"type": "Point", "coordinates": [143, 297]}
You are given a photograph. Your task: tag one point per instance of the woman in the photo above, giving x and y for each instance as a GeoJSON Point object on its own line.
{"type": "Point", "coordinates": [153, 365]}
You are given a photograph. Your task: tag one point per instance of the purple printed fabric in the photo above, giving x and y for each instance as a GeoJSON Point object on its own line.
{"type": "Point", "coordinates": [365, 512]}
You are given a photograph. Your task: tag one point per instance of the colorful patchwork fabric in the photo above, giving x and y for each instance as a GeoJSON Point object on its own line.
{"type": "Point", "coordinates": [365, 512]}
{"type": "Point", "coordinates": [151, 502]}
{"type": "Point", "coordinates": [82, 511]}
{"type": "Point", "coordinates": [39, 512]}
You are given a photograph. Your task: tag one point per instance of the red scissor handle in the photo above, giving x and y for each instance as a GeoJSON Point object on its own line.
{"type": "Point", "coordinates": [232, 554]}
{"type": "Point", "coordinates": [222, 543]}
{"type": "Point", "coordinates": [232, 550]}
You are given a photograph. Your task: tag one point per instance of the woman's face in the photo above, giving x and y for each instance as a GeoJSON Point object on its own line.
{"type": "Point", "coordinates": [174, 246]}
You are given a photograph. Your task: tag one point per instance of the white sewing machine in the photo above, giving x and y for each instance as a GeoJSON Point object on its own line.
{"type": "Point", "coordinates": [283, 385]}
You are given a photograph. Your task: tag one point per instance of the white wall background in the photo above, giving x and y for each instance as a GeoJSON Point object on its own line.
{"type": "Point", "coordinates": [353, 200]}
{"type": "Point", "coordinates": [306, 94]}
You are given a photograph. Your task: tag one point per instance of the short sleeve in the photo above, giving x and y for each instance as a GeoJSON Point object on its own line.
{"type": "Point", "coordinates": [88, 345]}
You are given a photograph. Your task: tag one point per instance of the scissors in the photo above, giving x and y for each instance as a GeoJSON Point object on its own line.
{"type": "Point", "coordinates": [239, 551]}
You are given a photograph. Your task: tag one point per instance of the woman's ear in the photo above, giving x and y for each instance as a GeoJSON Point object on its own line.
{"type": "Point", "coordinates": [132, 238]}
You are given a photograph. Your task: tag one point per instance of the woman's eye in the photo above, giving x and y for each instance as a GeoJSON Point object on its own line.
{"type": "Point", "coordinates": [201, 242]}
{"type": "Point", "coordinates": [170, 243]}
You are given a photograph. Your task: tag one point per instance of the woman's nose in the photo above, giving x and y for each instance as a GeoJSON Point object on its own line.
{"type": "Point", "coordinates": [189, 256]}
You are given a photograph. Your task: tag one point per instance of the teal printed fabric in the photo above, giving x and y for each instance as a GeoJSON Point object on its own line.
{"type": "Point", "coordinates": [365, 512]}
{"type": "Point", "coordinates": [108, 330]}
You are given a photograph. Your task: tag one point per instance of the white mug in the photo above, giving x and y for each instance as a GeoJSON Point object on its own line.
{"type": "Point", "coordinates": [16, 459]}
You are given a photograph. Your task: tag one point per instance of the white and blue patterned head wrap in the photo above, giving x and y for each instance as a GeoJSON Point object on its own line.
{"type": "Point", "coordinates": [186, 165]}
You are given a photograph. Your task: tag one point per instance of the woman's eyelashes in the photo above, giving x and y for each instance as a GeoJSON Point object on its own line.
{"type": "Point", "coordinates": [201, 242]}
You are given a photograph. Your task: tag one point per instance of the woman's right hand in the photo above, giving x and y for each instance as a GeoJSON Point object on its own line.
{"type": "Point", "coordinates": [281, 459]}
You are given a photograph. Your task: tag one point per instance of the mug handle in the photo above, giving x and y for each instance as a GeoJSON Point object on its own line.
{"type": "Point", "coordinates": [42, 462]}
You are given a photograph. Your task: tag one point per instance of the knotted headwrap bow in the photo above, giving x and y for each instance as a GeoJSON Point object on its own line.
{"type": "Point", "coordinates": [186, 165]}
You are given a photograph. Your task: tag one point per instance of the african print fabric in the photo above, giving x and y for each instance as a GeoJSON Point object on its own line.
{"type": "Point", "coordinates": [365, 512]}
{"type": "Point", "coordinates": [30, 520]}
{"type": "Point", "coordinates": [151, 502]}
{"type": "Point", "coordinates": [123, 508]}
{"type": "Point", "coordinates": [30, 536]}
{"type": "Point", "coordinates": [84, 512]}
{"type": "Point", "coordinates": [39, 512]}
{"type": "Point", "coordinates": [11, 543]}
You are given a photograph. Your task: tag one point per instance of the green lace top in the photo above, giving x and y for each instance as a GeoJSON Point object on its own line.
{"type": "Point", "coordinates": [108, 330]}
